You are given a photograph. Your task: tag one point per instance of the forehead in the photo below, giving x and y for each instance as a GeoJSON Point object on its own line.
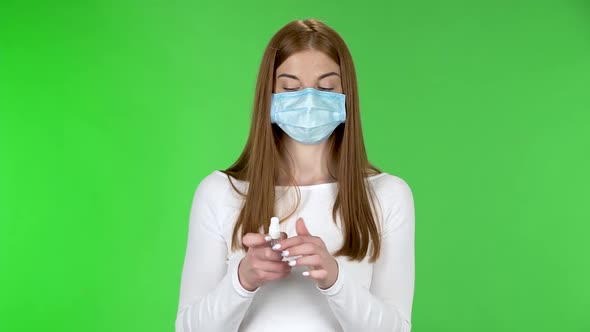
{"type": "Point", "coordinates": [308, 63]}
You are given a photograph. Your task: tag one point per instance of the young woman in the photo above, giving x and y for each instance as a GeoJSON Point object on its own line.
{"type": "Point", "coordinates": [345, 260]}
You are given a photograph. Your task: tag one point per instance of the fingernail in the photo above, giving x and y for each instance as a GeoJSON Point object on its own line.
{"type": "Point", "coordinates": [292, 263]}
{"type": "Point", "coordinates": [276, 246]}
{"type": "Point", "coordinates": [285, 253]}
{"type": "Point", "coordinates": [306, 273]}
{"type": "Point", "coordinates": [267, 238]}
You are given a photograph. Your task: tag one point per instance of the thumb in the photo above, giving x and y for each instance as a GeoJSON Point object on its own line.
{"type": "Point", "coordinates": [301, 228]}
{"type": "Point", "coordinates": [251, 240]}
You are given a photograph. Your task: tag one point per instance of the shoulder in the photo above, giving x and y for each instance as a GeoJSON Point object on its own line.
{"type": "Point", "coordinates": [395, 199]}
{"type": "Point", "coordinates": [214, 181]}
{"type": "Point", "coordinates": [215, 187]}
{"type": "Point", "coordinates": [391, 187]}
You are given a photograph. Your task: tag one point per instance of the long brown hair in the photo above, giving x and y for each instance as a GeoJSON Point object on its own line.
{"type": "Point", "coordinates": [259, 164]}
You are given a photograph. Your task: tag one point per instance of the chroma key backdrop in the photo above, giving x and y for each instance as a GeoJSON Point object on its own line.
{"type": "Point", "coordinates": [112, 112]}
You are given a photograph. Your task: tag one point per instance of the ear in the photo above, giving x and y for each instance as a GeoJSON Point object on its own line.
{"type": "Point", "coordinates": [301, 228]}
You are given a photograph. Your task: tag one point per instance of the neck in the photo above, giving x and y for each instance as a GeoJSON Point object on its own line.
{"type": "Point", "coordinates": [309, 164]}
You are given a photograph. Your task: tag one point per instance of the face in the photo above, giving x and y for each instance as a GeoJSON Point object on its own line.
{"type": "Point", "coordinates": [308, 69]}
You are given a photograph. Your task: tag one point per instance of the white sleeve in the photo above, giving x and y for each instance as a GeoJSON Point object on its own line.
{"type": "Point", "coordinates": [211, 297]}
{"type": "Point", "coordinates": [387, 305]}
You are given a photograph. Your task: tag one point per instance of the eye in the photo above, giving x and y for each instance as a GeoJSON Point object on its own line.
{"type": "Point", "coordinates": [325, 89]}
{"type": "Point", "coordinates": [290, 89]}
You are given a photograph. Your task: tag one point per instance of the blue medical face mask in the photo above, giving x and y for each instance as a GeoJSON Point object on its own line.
{"type": "Point", "coordinates": [308, 116]}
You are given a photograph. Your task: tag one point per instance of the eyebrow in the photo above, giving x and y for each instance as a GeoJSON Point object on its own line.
{"type": "Point", "coordinates": [319, 78]}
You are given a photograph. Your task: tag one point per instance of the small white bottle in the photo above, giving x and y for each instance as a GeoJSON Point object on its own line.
{"type": "Point", "coordinates": [274, 231]}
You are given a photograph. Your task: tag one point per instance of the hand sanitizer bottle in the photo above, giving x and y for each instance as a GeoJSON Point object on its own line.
{"type": "Point", "coordinates": [274, 231]}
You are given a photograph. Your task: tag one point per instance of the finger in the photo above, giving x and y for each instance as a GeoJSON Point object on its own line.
{"type": "Point", "coordinates": [302, 249]}
{"type": "Point", "coordinates": [311, 260]}
{"type": "Point", "coordinates": [297, 240]}
{"type": "Point", "coordinates": [267, 254]}
{"type": "Point", "coordinates": [301, 228]}
{"type": "Point", "coordinates": [290, 242]}
{"type": "Point", "coordinates": [251, 240]}
{"type": "Point", "coordinates": [282, 236]}
{"type": "Point", "coordinates": [270, 266]}
{"type": "Point", "coordinates": [316, 274]}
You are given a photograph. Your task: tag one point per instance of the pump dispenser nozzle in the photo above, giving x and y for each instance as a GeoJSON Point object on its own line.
{"type": "Point", "coordinates": [274, 230]}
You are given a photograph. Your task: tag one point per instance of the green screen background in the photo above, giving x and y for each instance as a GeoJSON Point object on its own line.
{"type": "Point", "coordinates": [111, 113]}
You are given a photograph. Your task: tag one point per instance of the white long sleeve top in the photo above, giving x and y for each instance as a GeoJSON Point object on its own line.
{"type": "Point", "coordinates": [366, 296]}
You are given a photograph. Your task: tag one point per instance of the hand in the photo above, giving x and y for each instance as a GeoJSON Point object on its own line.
{"type": "Point", "coordinates": [261, 263]}
{"type": "Point", "coordinates": [324, 267]}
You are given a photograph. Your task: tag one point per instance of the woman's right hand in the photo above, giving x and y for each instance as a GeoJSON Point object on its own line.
{"type": "Point", "coordinates": [261, 263]}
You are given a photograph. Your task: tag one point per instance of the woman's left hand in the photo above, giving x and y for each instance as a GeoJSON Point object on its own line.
{"type": "Point", "coordinates": [323, 266]}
